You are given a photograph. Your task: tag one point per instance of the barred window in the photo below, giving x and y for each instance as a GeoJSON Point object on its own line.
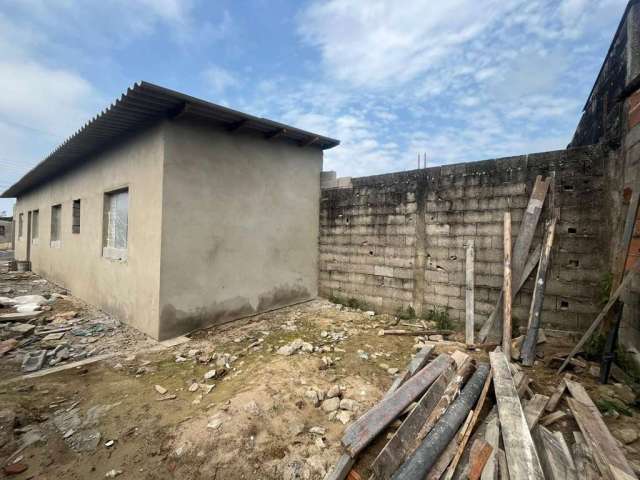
{"type": "Point", "coordinates": [56, 216]}
{"type": "Point", "coordinates": [75, 226]}
{"type": "Point", "coordinates": [35, 221]}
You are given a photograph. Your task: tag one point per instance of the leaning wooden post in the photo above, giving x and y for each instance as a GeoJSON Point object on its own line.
{"type": "Point", "coordinates": [469, 297]}
{"type": "Point", "coordinates": [506, 288]}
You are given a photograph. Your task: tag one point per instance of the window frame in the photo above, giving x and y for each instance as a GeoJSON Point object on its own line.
{"type": "Point", "coordinates": [57, 242]}
{"type": "Point", "coordinates": [35, 226]}
{"type": "Point", "coordinates": [75, 227]}
{"type": "Point", "coordinates": [3, 230]}
{"type": "Point", "coordinates": [109, 250]}
{"type": "Point", "coordinates": [20, 225]}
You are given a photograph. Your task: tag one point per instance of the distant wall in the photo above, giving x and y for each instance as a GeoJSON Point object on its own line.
{"type": "Point", "coordinates": [373, 234]}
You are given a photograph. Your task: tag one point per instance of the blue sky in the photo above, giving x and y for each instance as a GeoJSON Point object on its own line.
{"type": "Point", "coordinates": [460, 80]}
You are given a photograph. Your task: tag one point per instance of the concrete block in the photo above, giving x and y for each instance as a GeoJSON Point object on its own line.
{"type": "Point", "coordinates": [468, 229]}
{"type": "Point", "coordinates": [489, 255]}
{"type": "Point", "coordinates": [402, 273]}
{"type": "Point", "coordinates": [492, 229]}
{"type": "Point", "coordinates": [448, 290]}
{"type": "Point", "coordinates": [383, 271]}
{"type": "Point", "coordinates": [437, 229]}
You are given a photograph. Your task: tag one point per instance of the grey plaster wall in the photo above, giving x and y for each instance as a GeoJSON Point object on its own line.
{"type": "Point", "coordinates": [128, 289]}
{"type": "Point", "coordinates": [239, 225]}
{"type": "Point", "coordinates": [396, 240]}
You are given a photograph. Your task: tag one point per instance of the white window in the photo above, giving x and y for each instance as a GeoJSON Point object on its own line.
{"type": "Point", "coordinates": [35, 223]}
{"type": "Point", "coordinates": [56, 216]}
{"type": "Point", "coordinates": [20, 226]}
{"type": "Point", "coordinates": [116, 224]}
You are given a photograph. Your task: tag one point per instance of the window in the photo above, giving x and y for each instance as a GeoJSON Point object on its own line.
{"type": "Point", "coordinates": [75, 226]}
{"type": "Point", "coordinates": [2, 231]}
{"type": "Point", "coordinates": [116, 213]}
{"type": "Point", "coordinates": [20, 225]}
{"type": "Point", "coordinates": [56, 214]}
{"type": "Point", "coordinates": [34, 225]}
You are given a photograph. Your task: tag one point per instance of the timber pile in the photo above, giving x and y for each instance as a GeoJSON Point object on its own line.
{"type": "Point", "coordinates": [455, 418]}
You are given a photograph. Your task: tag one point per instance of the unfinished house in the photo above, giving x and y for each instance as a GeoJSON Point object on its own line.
{"type": "Point", "coordinates": [173, 213]}
{"type": "Point", "coordinates": [399, 241]}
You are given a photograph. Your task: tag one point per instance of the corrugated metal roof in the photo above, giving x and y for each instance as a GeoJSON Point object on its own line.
{"type": "Point", "coordinates": [144, 104]}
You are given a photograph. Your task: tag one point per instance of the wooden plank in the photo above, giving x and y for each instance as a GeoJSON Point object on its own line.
{"type": "Point", "coordinates": [553, 455]}
{"type": "Point", "coordinates": [449, 453]}
{"type": "Point", "coordinates": [479, 405]}
{"type": "Point", "coordinates": [404, 441]}
{"type": "Point", "coordinates": [492, 437]}
{"type": "Point", "coordinates": [553, 417]}
{"type": "Point", "coordinates": [342, 468]}
{"type": "Point", "coordinates": [506, 287]}
{"type": "Point", "coordinates": [563, 444]}
{"type": "Point", "coordinates": [420, 360]}
{"type": "Point", "coordinates": [528, 350]}
{"type": "Point", "coordinates": [534, 408]}
{"type": "Point", "coordinates": [361, 432]}
{"type": "Point", "coordinates": [503, 468]}
{"type": "Point", "coordinates": [469, 294]}
{"type": "Point", "coordinates": [465, 369]}
{"type": "Point", "coordinates": [603, 313]}
{"type": "Point", "coordinates": [557, 394]}
{"type": "Point", "coordinates": [520, 253]}
{"type": "Point", "coordinates": [478, 457]}
{"type": "Point", "coordinates": [399, 331]}
{"type": "Point", "coordinates": [522, 457]}
{"type": "Point", "coordinates": [627, 235]}
{"type": "Point", "coordinates": [608, 457]}
{"type": "Point", "coordinates": [585, 465]}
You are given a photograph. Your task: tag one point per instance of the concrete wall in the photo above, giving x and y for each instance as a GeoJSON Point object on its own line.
{"type": "Point", "coordinates": [240, 228]}
{"type": "Point", "coordinates": [126, 289]}
{"type": "Point", "coordinates": [373, 235]}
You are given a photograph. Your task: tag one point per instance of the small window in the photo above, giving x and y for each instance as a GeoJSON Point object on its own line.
{"type": "Point", "coordinates": [116, 219]}
{"type": "Point", "coordinates": [56, 215]}
{"type": "Point", "coordinates": [2, 231]}
{"type": "Point", "coordinates": [20, 225]}
{"type": "Point", "coordinates": [35, 224]}
{"type": "Point", "coordinates": [75, 226]}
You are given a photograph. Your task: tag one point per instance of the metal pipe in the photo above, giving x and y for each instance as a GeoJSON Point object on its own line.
{"type": "Point", "coordinates": [425, 456]}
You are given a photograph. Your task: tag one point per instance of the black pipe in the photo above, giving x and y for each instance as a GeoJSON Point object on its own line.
{"type": "Point", "coordinates": [609, 355]}
{"type": "Point", "coordinates": [425, 456]}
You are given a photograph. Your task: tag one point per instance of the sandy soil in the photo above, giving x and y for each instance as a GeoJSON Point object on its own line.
{"type": "Point", "coordinates": [255, 422]}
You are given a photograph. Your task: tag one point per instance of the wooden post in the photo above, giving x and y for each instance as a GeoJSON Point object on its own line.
{"type": "Point", "coordinates": [469, 297]}
{"type": "Point", "coordinates": [506, 288]}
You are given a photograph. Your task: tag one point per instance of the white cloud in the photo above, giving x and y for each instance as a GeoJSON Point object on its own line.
{"type": "Point", "coordinates": [219, 79]}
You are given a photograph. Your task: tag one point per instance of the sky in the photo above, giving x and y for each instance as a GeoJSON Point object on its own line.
{"type": "Point", "coordinates": [459, 80]}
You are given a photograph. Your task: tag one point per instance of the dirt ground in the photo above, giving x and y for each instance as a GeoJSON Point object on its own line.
{"type": "Point", "coordinates": [253, 419]}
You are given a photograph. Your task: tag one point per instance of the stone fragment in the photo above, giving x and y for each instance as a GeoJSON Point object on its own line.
{"type": "Point", "coordinates": [113, 473]}
{"type": "Point", "coordinates": [30, 299]}
{"type": "Point", "coordinates": [7, 423]}
{"type": "Point", "coordinates": [313, 397]}
{"type": "Point", "coordinates": [109, 443]}
{"type": "Point", "coordinates": [331, 404]}
{"type": "Point", "coordinates": [160, 389]}
{"type": "Point", "coordinates": [334, 391]}
{"type": "Point", "coordinates": [344, 416]}
{"type": "Point", "coordinates": [348, 404]}
{"type": "Point", "coordinates": [28, 308]}
{"type": "Point", "coordinates": [317, 430]}
{"type": "Point", "coordinates": [436, 338]}
{"type": "Point", "coordinates": [15, 468]}
{"type": "Point", "coordinates": [193, 387]}
{"type": "Point", "coordinates": [626, 435]}
{"type": "Point", "coordinates": [33, 361]}
{"type": "Point", "coordinates": [52, 337]}
{"type": "Point", "coordinates": [22, 328]}
{"type": "Point", "coordinates": [210, 374]}
{"type": "Point", "coordinates": [370, 313]}
{"type": "Point", "coordinates": [392, 371]}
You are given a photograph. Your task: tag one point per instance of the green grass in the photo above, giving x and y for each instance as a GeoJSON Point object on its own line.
{"type": "Point", "coordinates": [440, 317]}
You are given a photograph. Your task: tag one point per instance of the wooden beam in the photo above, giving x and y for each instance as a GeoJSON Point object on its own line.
{"type": "Point", "coordinates": [506, 287]}
{"type": "Point", "coordinates": [232, 127]}
{"type": "Point", "coordinates": [275, 134]}
{"type": "Point", "coordinates": [528, 350]}
{"type": "Point", "coordinates": [361, 432]}
{"type": "Point", "coordinates": [534, 408]}
{"type": "Point", "coordinates": [503, 467]}
{"type": "Point", "coordinates": [420, 360]}
{"type": "Point", "coordinates": [585, 465]}
{"type": "Point", "coordinates": [558, 392]}
{"type": "Point", "coordinates": [483, 396]}
{"type": "Point", "coordinates": [614, 298]}
{"type": "Point", "coordinates": [405, 440]}
{"type": "Point", "coordinates": [478, 457]}
{"type": "Point", "coordinates": [627, 235]}
{"type": "Point", "coordinates": [522, 457]}
{"type": "Point", "coordinates": [609, 458]}
{"type": "Point", "coordinates": [492, 437]}
{"type": "Point", "coordinates": [469, 293]}
{"type": "Point", "coordinates": [553, 417]}
{"type": "Point", "coordinates": [557, 463]}
{"type": "Point", "coordinates": [309, 141]}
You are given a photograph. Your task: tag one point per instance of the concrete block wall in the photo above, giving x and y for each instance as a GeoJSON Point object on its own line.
{"type": "Point", "coordinates": [397, 240]}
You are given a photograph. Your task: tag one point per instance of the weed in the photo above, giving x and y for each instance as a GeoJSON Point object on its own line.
{"type": "Point", "coordinates": [625, 361]}
{"type": "Point", "coordinates": [351, 302]}
{"type": "Point", "coordinates": [594, 348]}
{"type": "Point", "coordinates": [406, 313]}
{"type": "Point", "coordinates": [607, 407]}
{"type": "Point", "coordinates": [605, 289]}
{"type": "Point", "coordinates": [440, 317]}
